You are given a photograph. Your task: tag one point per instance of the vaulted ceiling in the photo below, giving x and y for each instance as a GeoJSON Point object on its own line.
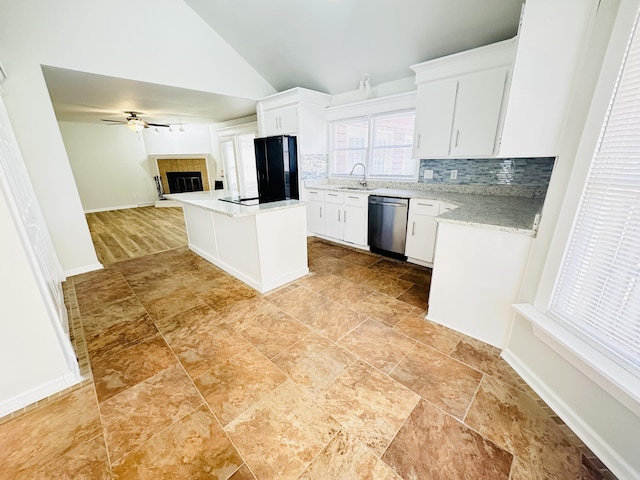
{"type": "Point", "coordinates": [324, 45]}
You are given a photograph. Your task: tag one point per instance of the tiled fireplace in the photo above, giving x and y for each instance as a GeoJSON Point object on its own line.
{"type": "Point", "coordinates": [183, 174]}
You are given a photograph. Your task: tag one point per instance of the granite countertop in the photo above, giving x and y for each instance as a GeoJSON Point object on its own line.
{"type": "Point", "coordinates": [498, 212]}
{"type": "Point", "coordinates": [209, 201]}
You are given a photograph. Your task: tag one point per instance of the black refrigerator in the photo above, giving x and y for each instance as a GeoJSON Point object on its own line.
{"type": "Point", "coordinates": [277, 168]}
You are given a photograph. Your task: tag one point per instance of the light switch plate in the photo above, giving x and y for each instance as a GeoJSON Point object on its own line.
{"type": "Point", "coordinates": [428, 174]}
{"type": "Point", "coordinates": [454, 174]}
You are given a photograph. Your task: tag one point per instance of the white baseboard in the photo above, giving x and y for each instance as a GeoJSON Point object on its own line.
{"type": "Point", "coordinates": [84, 269]}
{"type": "Point", "coordinates": [252, 282]}
{"type": "Point", "coordinates": [341, 242]}
{"type": "Point", "coordinates": [167, 203]}
{"type": "Point", "coordinates": [591, 439]}
{"type": "Point", "coordinates": [38, 393]}
{"type": "Point", "coordinates": [108, 209]}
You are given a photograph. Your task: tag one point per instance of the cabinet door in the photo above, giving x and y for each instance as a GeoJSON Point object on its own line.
{"type": "Point", "coordinates": [280, 121]}
{"type": "Point", "coordinates": [333, 220]}
{"type": "Point", "coordinates": [355, 225]}
{"type": "Point", "coordinates": [434, 117]}
{"type": "Point", "coordinates": [315, 217]}
{"type": "Point", "coordinates": [421, 237]}
{"type": "Point", "coordinates": [477, 113]}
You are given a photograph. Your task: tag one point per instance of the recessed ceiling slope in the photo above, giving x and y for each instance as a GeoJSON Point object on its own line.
{"type": "Point", "coordinates": [86, 97]}
{"type": "Point", "coordinates": [327, 45]}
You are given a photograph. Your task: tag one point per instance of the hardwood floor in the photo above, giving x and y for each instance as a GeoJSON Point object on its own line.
{"type": "Point", "coordinates": [134, 232]}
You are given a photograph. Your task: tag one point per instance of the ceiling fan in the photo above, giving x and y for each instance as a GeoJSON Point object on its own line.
{"type": "Point", "coordinates": [134, 122]}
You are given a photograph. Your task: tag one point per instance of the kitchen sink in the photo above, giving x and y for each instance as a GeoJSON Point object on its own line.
{"type": "Point", "coordinates": [359, 189]}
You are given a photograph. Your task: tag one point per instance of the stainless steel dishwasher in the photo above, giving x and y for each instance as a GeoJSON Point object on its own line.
{"type": "Point", "coordinates": [388, 225]}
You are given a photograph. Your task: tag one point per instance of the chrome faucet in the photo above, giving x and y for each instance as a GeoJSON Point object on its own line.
{"type": "Point", "coordinates": [363, 182]}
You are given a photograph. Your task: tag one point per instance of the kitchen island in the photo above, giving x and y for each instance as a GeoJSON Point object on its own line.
{"type": "Point", "coordinates": [264, 246]}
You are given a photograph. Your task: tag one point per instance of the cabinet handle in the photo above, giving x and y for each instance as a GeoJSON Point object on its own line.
{"type": "Point", "coordinates": [418, 144]}
{"type": "Point", "coordinates": [320, 212]}
{"type": "Point", "coordinates": [332, 194]}
{"type": "Point", "coordinates": [338, 215]}
{"type": "Point", "coordinates": [276, 120]}
{"type": "Point", "coordinates": [345, 216]}
{"type": "Point", "coordinates": [425, 204]}
{"type": "Point", "coordinates": [413, 229]}
{"type": "Point", "coordinates": [457, 137]}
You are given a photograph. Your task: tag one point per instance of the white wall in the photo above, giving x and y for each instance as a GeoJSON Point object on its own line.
{"type": "Point", "coordinates": [606, 425]}
{"type": "Point", "coordinates": [33, 363]}
{"type": "Point", "coordinates": [109, 164]}
{"type": "Point", "coordinates": [177, 48]}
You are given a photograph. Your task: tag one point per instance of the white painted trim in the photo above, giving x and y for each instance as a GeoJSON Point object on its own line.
{"type": "Point", "coordinates": [374, 106]}
{"type": "Point", "coordinates": [35, 394]}
{"type": "Point", "coordinates": [108, 209]}
{"type": "Point", "coordinates": [601, 448]}
{"type": "Point", "coordinates": [419, 262]}
{"type": "Point", "coordinates": [342, 242]}
{"type": "Point", "coordinates": [609, 375]}
{"type": "Point", "coordinates": [84, 269]}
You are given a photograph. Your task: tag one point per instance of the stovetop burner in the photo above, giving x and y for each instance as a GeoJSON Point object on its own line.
{"type": "Point", "coordinates": [241, 200]}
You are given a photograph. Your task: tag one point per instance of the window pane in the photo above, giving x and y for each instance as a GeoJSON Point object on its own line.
{"type": "Point", "coordinates": [349, 142]}
{"type": "Point", "coordinates": [394, 129]}
{"type": "Point", "coordinates": [344, 160]}
{"type": "Point", "coordinates": [388, 155]}
{"type": "Point", "coordinates": [396, 162]}
{"type": "Point", "coordinates": [392, 145]}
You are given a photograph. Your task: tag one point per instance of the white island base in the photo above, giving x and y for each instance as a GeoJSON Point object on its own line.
{"type": "Point", "coordinates": [265, 248]}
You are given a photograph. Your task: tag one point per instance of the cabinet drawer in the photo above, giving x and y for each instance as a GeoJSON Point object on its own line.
{"type": "Point", "coordinates": [356, 200]}
{"type": "Point", "coordinates": [424, 207]}
{"type": "Point", "coordinates": [315, 195]}
{"type": "Point", "coordinates": [334, 197]}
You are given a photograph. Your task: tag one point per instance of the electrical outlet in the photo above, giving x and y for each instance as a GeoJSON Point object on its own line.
{"type": "Point", "coordinates": [428, 174]}
{"type": "Point", "coordinates": [454, 174]}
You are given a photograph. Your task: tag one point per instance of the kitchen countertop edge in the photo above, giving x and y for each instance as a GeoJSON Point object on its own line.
{"type": "Point", "coordinates": [475, 210]}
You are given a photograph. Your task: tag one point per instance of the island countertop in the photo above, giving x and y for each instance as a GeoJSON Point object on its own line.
{"type": "Point", "coordinates": [209, 200]}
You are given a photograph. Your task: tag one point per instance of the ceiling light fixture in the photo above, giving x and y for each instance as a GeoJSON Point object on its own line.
{"type": "Point", "coordinates": [135, 124]}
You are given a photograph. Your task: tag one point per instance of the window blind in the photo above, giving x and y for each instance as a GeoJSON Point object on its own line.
{"type": "Point", "coordinates": [597, 291]}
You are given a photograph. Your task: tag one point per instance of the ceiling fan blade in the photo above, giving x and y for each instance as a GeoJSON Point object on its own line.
{"type": "Point", "coordinates": [114, 121]}
{"type": "Point", "coordinates": [158, 125]}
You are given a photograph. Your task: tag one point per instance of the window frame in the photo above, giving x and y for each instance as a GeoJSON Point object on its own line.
{"type": "Point", "coordinates": [369, 148]}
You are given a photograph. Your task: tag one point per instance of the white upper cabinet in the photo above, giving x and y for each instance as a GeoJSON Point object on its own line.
{"type": "Point", "coordinates": [434, 117]}
{"type": "Point", "coordinates": [300, 112]}
{"type": "Point", "coordinates": [477, 113]}
{"type": "Point", "coordinates": [552, 40]}
{"type": "Point", "coordinates": [281, 121]}
{"type": "Point", "coordinates": [460, 98]}
{"type": "Point", "coordinates": [511, 98]}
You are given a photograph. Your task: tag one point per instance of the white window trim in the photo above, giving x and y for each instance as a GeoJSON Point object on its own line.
{"type": "Point", "coordinates": [615, 379]}
{"type": "Point", "coordinates": [623, 385]}
{"type": "Point", "coordinates": [368, 149]}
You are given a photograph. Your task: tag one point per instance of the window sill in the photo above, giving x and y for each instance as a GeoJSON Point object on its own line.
{"type": "Point", "coordinates": [619, 382]}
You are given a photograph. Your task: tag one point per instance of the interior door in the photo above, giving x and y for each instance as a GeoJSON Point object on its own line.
{"type": "Point", "coordinates": [16, 186]}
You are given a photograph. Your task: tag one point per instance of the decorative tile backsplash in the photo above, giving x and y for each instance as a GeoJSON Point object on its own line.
{"type": "Point", "coordinates": [522, 177]}
{"type": "Point", "coordinates": [529, 172]}
{"type": "Point", "coordinates": [313, 167]}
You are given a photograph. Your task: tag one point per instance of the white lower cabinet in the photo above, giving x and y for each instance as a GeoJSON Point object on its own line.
{"type": "Point", "coordinates": [421, 230]}
{"type": "Point", "coordinates": [338, 216]}
{"type": "Point", "coordinates": [315, 211]}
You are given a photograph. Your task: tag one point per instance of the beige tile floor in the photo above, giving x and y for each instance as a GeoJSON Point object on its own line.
{"type": "Point", "coordinates": [335, 376]}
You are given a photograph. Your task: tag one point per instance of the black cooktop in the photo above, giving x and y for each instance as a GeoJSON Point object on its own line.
{"type": "Point", "coordinates": [240, 200]}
